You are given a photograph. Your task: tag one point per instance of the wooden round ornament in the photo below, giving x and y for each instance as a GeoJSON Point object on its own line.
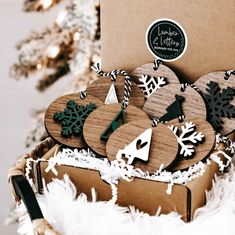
{"type": "Point", "coordinates": [54, 128]}
{"type": "Point", "coordinates": [163, 145]}
{"type": "Point", "coordinates": [99, 121]}
{"type": "Point", "coordinates": [162, 102]}
{"type": "Point", "coordinates": [161, 71]}
{"type": "Point", "coordinates": [100, 88]}
{"type": "Point", "coordinates": [211, 86]}
{"type": "Point", "coordinates": [187, 132]}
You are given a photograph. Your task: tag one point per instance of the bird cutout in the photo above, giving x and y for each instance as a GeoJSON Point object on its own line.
{"type": "Point", "coordinates": [186, 135]}
{"type": "Point", "coordinates": [111, 98]}
{"type": "Point", "coordinates": [117, 121]}
{"type": "Point", "coordinates": [138, 148]}
{"type": "Point", "coordinates": [73, 118]}
{"type": "Point", "coordinates": [193, 105]}
{"type": "Point", "coordinates": [219, 105]}
{"type": "Point", "coordinates": [174, 110]}
{"type": "Point", "coordinates": [149, 84]}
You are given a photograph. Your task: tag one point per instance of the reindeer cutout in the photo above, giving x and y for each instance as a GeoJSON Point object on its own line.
{"type": "Point", "coordinates": [138, 148]}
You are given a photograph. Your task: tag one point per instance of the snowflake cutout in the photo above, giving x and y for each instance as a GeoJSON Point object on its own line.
{"type": "Point", "coordinates": [187, 135]}
{"type": "Point", "coordinates": [219, 104]}
{"type": "Point", "coordinates": [73, 118]}
{"type": "Point", "coordinates": [150, 84]}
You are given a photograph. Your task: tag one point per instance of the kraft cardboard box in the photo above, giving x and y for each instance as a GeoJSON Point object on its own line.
{"type": "Point", "coordinates": [208, 27]}
{"type": "Point", "coordinates": [146, 195]}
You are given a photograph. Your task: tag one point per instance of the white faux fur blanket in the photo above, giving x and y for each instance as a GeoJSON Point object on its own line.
{"type": "Point", "coordinates": [73, 215]}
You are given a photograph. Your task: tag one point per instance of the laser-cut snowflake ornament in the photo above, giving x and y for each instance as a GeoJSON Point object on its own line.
{"type": "Point", "coordinates": [150, 84]}
{"type": "Point", "coordinates": [219, 104]}
{"type": "Point", "coordinates": [73, 118]}
{"type": "Point", "coordinates": [187, 137]}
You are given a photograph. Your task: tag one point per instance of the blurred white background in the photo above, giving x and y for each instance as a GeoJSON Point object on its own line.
{"type": "Point", "coordinates": [18, 98]}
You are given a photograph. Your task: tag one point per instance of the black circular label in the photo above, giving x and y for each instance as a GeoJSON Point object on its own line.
{"type": "Point", "coordinates": [166, 39]}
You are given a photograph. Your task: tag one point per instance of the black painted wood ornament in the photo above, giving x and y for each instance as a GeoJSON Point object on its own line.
{"type": "Point", "coordinates": [143, 146]}
{"type": "Point", "coordinates": [219, 104]}
{"type": "Point", "coordinates": [196, 139]}
{"type": "Point", "coordinates": [174, 101]}
{"type": "Point", "coordinates": [151, 78]}
{"type": "Point", "coordinates": [218, 90]}
{"type": "Point", "coordinates": [106, 119]}
{"type": "Point", "coordinates": [65, 117]}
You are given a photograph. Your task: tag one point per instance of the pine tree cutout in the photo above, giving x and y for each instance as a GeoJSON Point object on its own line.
{"type": "Point", "coordinates": [119, 120]}
{"type": "Point", "coordinates": [73, 118]}
{"type": "Point", "coordinates": [138, 148]}
{"type": "Point", "coordinates": [218, 103]}
{"type": "Point", "coordinates": [174, 110]}
{"type": "Point", "coordinates": [111, 97]}
{"type": "Point", "coordinates": [186, 135]}
{"type": "Point", "coordinates": [149, 84]}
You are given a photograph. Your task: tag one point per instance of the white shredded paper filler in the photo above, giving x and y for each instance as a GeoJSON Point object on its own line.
{"type": "Point", "coordinates": [112, 172]}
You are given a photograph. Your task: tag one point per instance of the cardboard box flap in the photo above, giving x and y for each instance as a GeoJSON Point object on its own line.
{"type": "Point", "coordinates": [145, 195]}
{"type": "Point", "coordinates": [209, 25]}
{"type": "Point", "coordinates": [199, 186]}
{"type": "Point", "coordinates": [85, 180]}
{"type": "Point", "coordinates": [148, 196]}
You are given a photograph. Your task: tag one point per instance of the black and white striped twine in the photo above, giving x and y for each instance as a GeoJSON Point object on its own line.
{"type": "Point", "coordinates": [113, 74]}
{"type": "Point", "coordinates": [83, 95]}
{"type": "Point", "coordinates": [156, 64]}
{"type": "Point", "coordinates": [185, 85]}
{"type": "Point", "coordinates": [229, 73]}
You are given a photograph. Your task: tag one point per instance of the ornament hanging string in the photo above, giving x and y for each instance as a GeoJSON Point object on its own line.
{"type": "Point", "coordinates": [229, 73]}
{"type": "Point", "coordinates": [113, 74]}
{"type": "Point", "coordinates": [181, 116]}
{"type": "Point", "coordinates": [83, 95]}
{"type": "Point", "coordinates": [155, 122]}
{"type": "Point", "coordinates": [156, 64]}
{"type": "Point", "coordinates": [185, 85]}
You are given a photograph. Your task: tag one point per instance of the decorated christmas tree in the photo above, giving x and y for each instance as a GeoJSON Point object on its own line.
{"type": "Point", "coordinates": [68, 46]}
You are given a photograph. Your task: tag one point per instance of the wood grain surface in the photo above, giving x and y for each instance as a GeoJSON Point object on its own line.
{"type": "Point", "coordinates": [99, 120]}
{"type": "Point", "coordinates": [193, 105]}
{"type": "Point", "coordinates": [202, 150]}
{"type": "Point", "coordinates": [218, 77]}
{"type": "Point", "coordinates": [54, 128]}
{"type": "Point", "coordinates": [162, 71]}
{"type": "Point", "coordinates": [163, 148]}
{"type": "Point", "coordinates": [100, 87]}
